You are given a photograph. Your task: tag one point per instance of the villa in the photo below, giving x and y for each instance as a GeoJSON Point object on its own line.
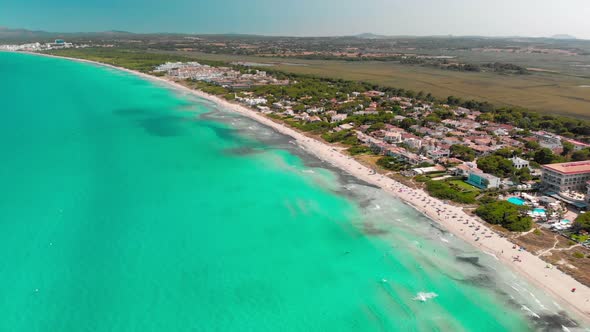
{"type": "Point", "coordinates": [519, 163]}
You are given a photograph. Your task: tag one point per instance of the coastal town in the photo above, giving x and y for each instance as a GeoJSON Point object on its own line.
{"type": "Point", "coordinates": [538, 179]}
{"type": "Point", "coordinates": [37, 46]}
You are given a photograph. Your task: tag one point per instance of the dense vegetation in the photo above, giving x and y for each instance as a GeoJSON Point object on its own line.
{"type": "Point", "coordinates": [526, 119]}
{"type": "Point", "coordinates": [462, 152]}
{"type": "Point", "coordinates": [347, 137]}
{"type": "Point", "coordinates": [509, 216]}
{"type": "Point", "coordinates": [582, 223]}
{"type": "Point", "coordinates": [448, 190]}
{"type": "Point", "coordinates": [392, 163]}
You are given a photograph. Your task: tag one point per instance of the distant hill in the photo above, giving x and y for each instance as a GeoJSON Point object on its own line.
{"type": "Point", "coordinates": [24, 35]}
{"type": "Point", "coordinates": [568, 37]}
{"type": "Point", "coordinates": [370, 36]}
{"type": "Point", "coordinates": [10, 35]}
{"type": "Point", "coordinates": [21, 34]}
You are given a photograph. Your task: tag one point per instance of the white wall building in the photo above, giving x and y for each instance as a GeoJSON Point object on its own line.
{"type": "Point", "coordinates": [519, 163]}
{"type": "Point", "coordinates": [338, 118]}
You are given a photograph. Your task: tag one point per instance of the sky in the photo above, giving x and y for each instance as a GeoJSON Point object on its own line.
{"type": "Point", "coordinates": [535, 18]}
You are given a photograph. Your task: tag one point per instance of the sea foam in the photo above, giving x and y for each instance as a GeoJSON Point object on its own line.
{"type": "Point", "coordinates": [425, 296]}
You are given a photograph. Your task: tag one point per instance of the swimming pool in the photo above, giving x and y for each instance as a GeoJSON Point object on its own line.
{"type": "Point", "coordinates": [539, 211]}
{"type": "Point", "coordinates": [516, 201]}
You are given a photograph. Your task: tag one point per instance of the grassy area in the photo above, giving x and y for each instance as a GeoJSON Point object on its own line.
{"type": "Point", "coordinates": [436, 174]}
{"type": "Point", "coordinates": [546, 92]}
{"type": "Point", "coordinates": [464, 186]}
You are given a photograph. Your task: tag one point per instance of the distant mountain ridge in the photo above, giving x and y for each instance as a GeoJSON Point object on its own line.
{"type": "Point", "coordinates": [563, 36]}
{"type": "Point", "coordinates": [8, 34]}
{"type": "Point", "coordinates": [368, 35]}
{"type": "Point", "coordinates": [11, 34]}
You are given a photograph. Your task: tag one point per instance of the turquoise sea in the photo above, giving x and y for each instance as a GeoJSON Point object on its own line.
{"type": "Point", "coordinates": [126, 206]}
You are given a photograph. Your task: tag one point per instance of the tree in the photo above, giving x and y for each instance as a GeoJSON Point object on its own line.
{"type": "Point", "coordinates": [452, 100]}
{"type": "Point", "coordinates": [432, 118]}
{"type": "Point", "coordinates": [524, 174]}
{"type": "Point", "coordinates": [507, 152]}
{"type": "Point", "coordinates": [496, 165]}
{"type": "Point", "coordinates": [506, 214]}
{"type": "Point", "coordinates": [450, 191]}
{"type": "Point", "coordinates": [581, 155]}
{"type": "Point", "coordinates": [567, 148]}
{"type": "Point", "coordinates": [407, 123]}
{"type": "Point", "coordinates": [544, 156]}
{"type": "Point", "coordinates": [485, 117]}
{"type": "Point", "coordinates": [582, 223]}
{"type": "Point", "coordinates": [376, 126]}
{"type": "Point", "coordinates": [532, 145]}
{"type": "Point", "coordinates": [462, 152]}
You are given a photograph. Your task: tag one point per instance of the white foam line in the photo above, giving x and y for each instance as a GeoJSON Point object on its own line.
{"type": "Point", "coordinates": [532, 313]}
{"type": "Point", "coordinates": [491, 254]}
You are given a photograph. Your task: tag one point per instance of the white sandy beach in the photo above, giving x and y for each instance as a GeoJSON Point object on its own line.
{"type": "Point", "coordinates": [454, 219]}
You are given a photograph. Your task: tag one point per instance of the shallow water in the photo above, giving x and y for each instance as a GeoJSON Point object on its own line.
{"type": "Point", "coordinates": [127, 206]}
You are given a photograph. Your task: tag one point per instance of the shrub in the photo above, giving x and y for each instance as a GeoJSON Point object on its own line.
{"type": "Point", "coordinates": [359, 149]}
{"type": "Point", "coordinates": [578, 254]}
{"type": "Point", "coordinates": [344, 136]}
{"type": "Point", "coordinates": [391, 163]}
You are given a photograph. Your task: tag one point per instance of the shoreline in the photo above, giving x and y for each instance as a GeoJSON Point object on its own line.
{"type": "Point", "coordinates": [454, 219]}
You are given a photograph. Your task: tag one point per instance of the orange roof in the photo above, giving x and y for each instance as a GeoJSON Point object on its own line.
{"type": "Point", "coordinates": [579, 167]}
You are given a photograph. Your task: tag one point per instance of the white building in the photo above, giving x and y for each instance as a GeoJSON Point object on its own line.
{"type": "Point", "coordinates": [393, 137]}
{"type": "Point", "coordinates": [338, 118]}
{"type": "Point", "coordinates": [252, 101]}
{"type": "Point", "coordinates": [519, 163]}
{"type": "Point", "coordinates": [413, 143]}
{"type": "Point", "coordinates": [438, 153]}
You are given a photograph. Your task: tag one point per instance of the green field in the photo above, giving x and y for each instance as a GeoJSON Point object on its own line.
{"type": "Point", "coordinates": [547, 92]}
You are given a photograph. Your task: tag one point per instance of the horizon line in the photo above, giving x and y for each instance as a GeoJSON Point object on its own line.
{"type": "Point", "coordinates": [376, 35]}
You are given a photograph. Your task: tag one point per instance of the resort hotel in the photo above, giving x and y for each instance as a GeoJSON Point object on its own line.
{"type": "Point", "coordinates": [567, 182]}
